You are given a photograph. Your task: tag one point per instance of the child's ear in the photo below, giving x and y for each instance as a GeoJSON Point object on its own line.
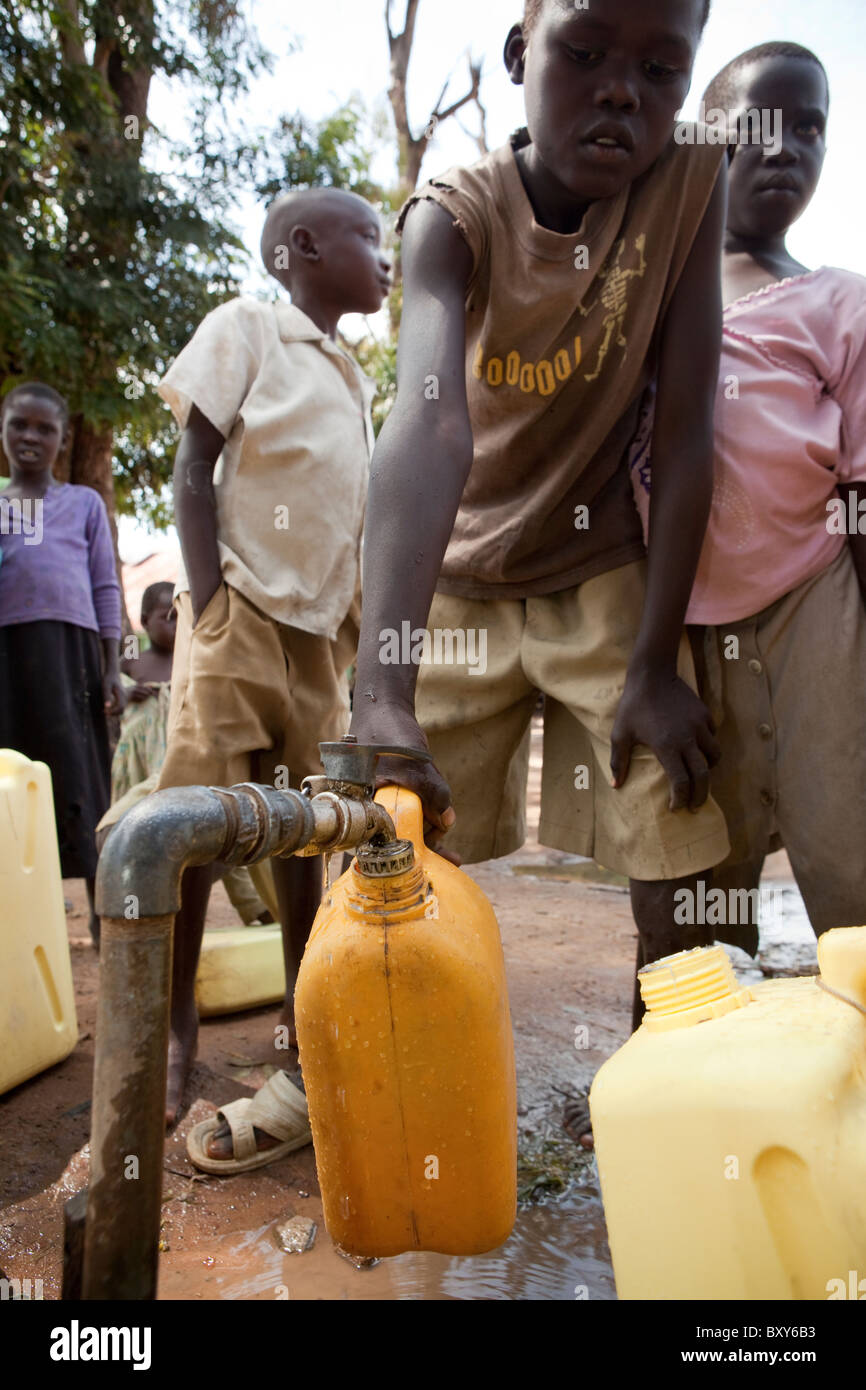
{"type": "Point", "coordinates": [303, 241]}
{"type": "Point", "coordinates": [513, 54]}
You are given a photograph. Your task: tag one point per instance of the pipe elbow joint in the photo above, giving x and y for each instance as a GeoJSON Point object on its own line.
{"type": "Point", "coordinates": [142, 860]}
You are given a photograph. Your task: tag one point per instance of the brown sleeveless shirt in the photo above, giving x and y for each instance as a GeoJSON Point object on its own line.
{"type": "Point", "coordinates": [562, 335]}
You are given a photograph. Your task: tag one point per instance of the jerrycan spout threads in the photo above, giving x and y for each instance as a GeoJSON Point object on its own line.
{"type": "Point", "coordinates": [689, 987]}
{"type": "Point", "coordinates": [386, 861]}
{"type": "Point", "coordinates": [387, 884]}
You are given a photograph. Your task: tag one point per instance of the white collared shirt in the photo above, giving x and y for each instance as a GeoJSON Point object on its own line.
{"type": "Point", "coordinates": [291, 481]}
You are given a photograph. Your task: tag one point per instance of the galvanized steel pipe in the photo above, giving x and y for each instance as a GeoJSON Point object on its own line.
{"type": "Point", "coordinates": [137, 895]}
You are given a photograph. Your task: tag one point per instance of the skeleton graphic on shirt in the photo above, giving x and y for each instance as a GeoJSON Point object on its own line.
{"type": "Point", "coordinates": [614, 300]}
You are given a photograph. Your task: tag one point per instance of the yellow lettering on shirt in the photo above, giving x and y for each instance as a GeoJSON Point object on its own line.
{"type": "Point", "coordinates": [542, 377]}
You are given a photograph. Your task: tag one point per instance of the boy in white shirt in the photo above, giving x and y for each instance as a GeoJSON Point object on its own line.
{"type": "Point", "coordinates": [270, 483]}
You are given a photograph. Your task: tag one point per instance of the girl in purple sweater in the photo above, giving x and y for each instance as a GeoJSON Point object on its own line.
{"type": "Point", "coordinates": [59, 625]}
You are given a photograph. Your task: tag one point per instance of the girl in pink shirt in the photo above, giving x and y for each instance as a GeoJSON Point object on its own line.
{"type": "Point", "coordinates": [778, 593]}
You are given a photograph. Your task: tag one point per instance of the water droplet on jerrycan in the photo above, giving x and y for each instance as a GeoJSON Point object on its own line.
{"type": "Point", "coordinates": [420, 1130]}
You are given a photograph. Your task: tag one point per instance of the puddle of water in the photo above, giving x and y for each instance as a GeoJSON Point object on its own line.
{"type": "Point", "coordinates": [788, 945]}
{"type": "Point", "coordinates": [571, 868]}
{"type": "Point", "coordinates": [557, 1251]}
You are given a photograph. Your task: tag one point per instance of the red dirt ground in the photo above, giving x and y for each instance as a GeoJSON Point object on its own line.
{"type": "Point", "coordinates": [569, 948]}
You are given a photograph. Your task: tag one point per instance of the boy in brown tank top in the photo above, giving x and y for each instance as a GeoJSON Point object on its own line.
{"type": "Point", "coordinates": [543, 287]}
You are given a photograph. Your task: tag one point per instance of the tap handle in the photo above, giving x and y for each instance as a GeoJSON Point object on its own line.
{"type": "Point", "coordinates": [348, 761]}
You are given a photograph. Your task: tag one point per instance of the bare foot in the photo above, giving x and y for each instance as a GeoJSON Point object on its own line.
{"type": "Point", "coordinates": [182, 1042]}
{"type": "Point", "coordinates": [576, 1121]}
{"type": "Point", "coordinates": [219, 1144]}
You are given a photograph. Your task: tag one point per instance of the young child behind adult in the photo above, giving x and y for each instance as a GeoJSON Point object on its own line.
{"type": "Point", "coordinates": [270, 487]}
{"type": "Point", "coordinates": [140, 749]}
{"type": "Point", "coordinates": [543, 287]}
{"type": "Point", "coordinates": [59, 625]}
{"type": "Point", "coordinates": [780, 586]}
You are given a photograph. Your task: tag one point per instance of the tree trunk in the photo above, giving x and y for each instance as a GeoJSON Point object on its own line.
{"type": "Point", "coordinates": [411, 149]}
{"type": "Point", "coordinates": [88, 463]}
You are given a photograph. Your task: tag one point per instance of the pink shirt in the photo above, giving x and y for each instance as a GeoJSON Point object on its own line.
{"type": "Point", "coordinates": [790, 425]}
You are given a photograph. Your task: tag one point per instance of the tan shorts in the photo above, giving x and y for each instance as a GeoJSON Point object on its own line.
{"type": "Point", "coordinates": [575, 647]}
{"type": "Point", "coordinates": [250, 696]}
{"type": "Point", "coordinates": [787, 689]}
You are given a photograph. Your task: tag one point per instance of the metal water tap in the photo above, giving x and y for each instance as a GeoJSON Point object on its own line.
{"type": "Point", "coordinates": [346, 815]}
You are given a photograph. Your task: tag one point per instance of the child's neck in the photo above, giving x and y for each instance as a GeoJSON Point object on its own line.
{"type": "Point", "coordinates": [753, 263]}
{"type": "Point", "coordinates": [553, 207]}
{"type": "Point", "coordinates": [323, 316]}
{"type": "Point", "coordinates": [23, 484]}
{"type": "Point", "coordinates": [153, 665]}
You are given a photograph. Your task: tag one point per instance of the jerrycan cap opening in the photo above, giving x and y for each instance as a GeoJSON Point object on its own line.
{"type": "Point", "coordinates": [690, 987]}
{"type": "Point", "coordinates": [386, 861]}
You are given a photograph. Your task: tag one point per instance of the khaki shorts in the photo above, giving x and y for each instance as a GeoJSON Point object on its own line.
{"type": "Point", "coordinates": [787, 689]}
{"type": "Point", "coordinates": [250, 696]}
{"type": "Point", "coordinates": [575, 647]}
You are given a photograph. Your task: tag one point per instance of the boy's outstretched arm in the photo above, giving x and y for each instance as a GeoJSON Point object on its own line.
{"type": "Point", "coordinates": [420, 465]}
{"type": "Point", "coordinates": [657, 708]}
{"type": "Point", "coordinates": [195, 507]}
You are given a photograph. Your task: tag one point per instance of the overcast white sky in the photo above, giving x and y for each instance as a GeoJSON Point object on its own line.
{"type": "Point", "coordinates": [343, 49]}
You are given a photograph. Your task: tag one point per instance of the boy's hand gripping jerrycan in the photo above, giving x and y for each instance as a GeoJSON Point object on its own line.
{"type": "Point", "coordinates": [730, 1132]}
{"type": "Point", "coordinates": [407, 1053]}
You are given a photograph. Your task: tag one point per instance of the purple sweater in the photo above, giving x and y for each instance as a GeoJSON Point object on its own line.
{"type": "Point", "coordinates": [57, 561]}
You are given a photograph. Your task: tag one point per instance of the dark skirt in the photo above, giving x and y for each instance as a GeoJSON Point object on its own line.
{"type": "Point", "coordinates": [52, 711]}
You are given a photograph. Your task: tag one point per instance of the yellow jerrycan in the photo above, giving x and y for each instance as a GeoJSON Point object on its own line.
{"type": "Point", "coordinates": [240, 968]}
{"type": "Point", "coordinates": [407, 1053]}
{"type": "Point", "coordinates": [730, 1132]}
{"type": "Point", "coordinates": [37, 1002]}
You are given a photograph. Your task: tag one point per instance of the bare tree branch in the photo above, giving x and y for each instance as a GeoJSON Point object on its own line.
{"type": "Point", "coordinates": [411, 148]}
{"type": "Point", "coordinates": [441, 97]}
{"type": "Point", "coordinates": [471, 95]}
{"type": "Point", "coordinates": [409, 22]}
{"type": "Point", "coordinates": [71, 45]}
{"type": "Point", "coordinates": [481, 137]}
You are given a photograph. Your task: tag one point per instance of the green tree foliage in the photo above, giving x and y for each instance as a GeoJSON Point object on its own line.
{"type": "Point", "coordinates": [378, 358]}
{"type": "Point", "coordinates": [107, 262]}
{"type": "Point", "coordinates": [336, 151]}
{"type": "Point", "coordinates": [117, 238]}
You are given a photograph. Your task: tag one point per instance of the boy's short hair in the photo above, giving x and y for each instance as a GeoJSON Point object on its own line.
{"type": "Point", "coordinates": [44, 392]}
{"type": "Point", "coordinates": [721, 95]}
{"type": "Point", "coordinates": [154, 595]}
{"type": "Point", "coordinates": [291, 208]}
{"type": "Point", "coordinates": [533, 8]}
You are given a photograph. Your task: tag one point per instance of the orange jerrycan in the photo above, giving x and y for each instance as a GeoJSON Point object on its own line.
{"type": "Point", "coordinates": [407, 1053]}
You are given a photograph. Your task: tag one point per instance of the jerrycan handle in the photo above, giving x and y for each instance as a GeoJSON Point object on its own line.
{"type": "Point", "coordinates": [842, 958]}
{"type": "Point", "coordinates": [405, 810]}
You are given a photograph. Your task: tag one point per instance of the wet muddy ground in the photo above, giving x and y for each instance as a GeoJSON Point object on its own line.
{"type": "Point", "coordinates": [569, 946]}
